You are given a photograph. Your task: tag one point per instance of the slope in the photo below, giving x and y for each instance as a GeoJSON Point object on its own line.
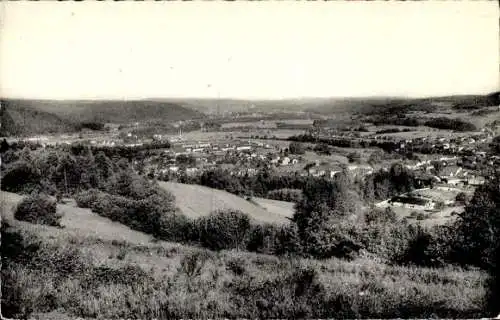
{"type": "Point", "coordinates": [390, 105]}
{"type": "Point", "coordinates": [22, 120]}
{"type": "Point", "coordinates": [78, 222]}
{"type": "Point", "coordinates": [45, 116]}
{"type": "Point", "coordinates": [282, 208]}
{"type": "Point", "coordinates": [93, 278]}
{"type": "Point", "coordinates": [195, 200]}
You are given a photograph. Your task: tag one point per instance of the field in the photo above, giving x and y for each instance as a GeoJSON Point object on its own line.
{"type": "Point", "coordinates": [80, 222]}
{"type": "Point", "coordinates": [196, 200]}
{"type": "Point", "coordinates": [282, 208]}
{"type": "Point", "coordinates": [131, 276]}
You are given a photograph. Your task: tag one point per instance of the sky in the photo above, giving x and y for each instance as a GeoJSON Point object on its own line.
{"type": "Point", "coordinates": [258, 50]}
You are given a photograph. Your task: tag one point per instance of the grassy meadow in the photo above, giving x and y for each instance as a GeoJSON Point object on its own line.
{"type": "Point", "coordinates": [95, 268]}
{"type": "Point", "coordinates": [195, 201]}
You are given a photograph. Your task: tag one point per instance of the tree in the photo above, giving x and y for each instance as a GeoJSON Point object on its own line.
{"type": "Point", "coordinates": [223, 229]}
{"type": "Point", "coordinates": [438, 166]}
{"type": "Point", "coordinates": [478, 227]}
{"type": "Point", "coordinates": [495, 145]}
{"type": "Point", "coordinates": [324, 206]}
{"type": "Point", "coordinates": [296, 148]}
{"type": "Point", "coordinates": [354, 157]}
{"type": "Point", "coordinates": [38, 208]}
{"type": "Point", "coordinates": [4, 146]}
{"type": "Point", "coordinates": [461, 197]}
{"type": "Point", "coordinates": [21, 176]}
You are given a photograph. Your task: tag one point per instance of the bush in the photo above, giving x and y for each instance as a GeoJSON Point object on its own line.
{"type": "Point", "coordinates": [421, 216]}
{"type": "Point", "coordinates": [428, 247]}
{"type": "Point", "coordinates": [461, 197]}
{"type": "Point", "coordinates": [237, 266]}
{"type": "Point", "coordinates": [38, 209]}
{"type": "Point", "coordinates": [381, 216]}
{"type": "Point", "coordinates": [354, 157]}
{"type": "Point", "coordinates": [21, 177]}
{"type": "Point", "coordinates": [285, 194]}
{"type": "Point", "coordinates": [225, 229]}
{"type": "Point", "coordinates": [86, 199]}
{"type": "Point", "coordinates": [296, 148]}
{"type": "Point", "coordinates": [477, 229]}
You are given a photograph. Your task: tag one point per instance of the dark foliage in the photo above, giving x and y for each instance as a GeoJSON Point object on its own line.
{"type": "Point", "coordinates": [478, 227]}
{"type": "Point", "coordinates": [495, 145]}
{"type": "Point", "coordinates": [450, 124]}
{"type": "Point", "coordinates": [96, 126]}
{"type": "Point", "coordinates": [21, 177]}
{"type": "Point", "coordinates": [223, 229]}
{"type": "Point", "coordinates": [38, 208]}
{"type": "Point", "coordinates": [385, 184]}
{"type": "Point", "coordinates": [296, 148]}
{"type": "Point", "coordinates": [290, 195]}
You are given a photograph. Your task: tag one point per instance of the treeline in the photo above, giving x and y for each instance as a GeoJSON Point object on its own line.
{"type": "Point", "coordinates": [392, 130]}
{"type": "Point", "coordinates": [388, 146]}
{"type": "Point", "coordinates": [128, 152]}
{"type": "Point", "coordinates": [68, 170]}
{"type": "Point", "coordinates": [257, 185]}
{"type": "Point", "coordinates": [285, 194]}
{"type": "Point", "coordinates": [438, 123]}
{"type": "Point", "coordinates": [327, 222]}
{"type": "Point", "coordinates": [266, 183]}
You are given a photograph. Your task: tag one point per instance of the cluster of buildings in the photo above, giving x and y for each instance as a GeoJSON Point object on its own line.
{"type": "Point", "coordinates": [240, 157]}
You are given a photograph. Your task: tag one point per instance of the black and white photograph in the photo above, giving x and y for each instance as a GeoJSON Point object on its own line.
{"type": "Point", "coordinates": [250, 160]}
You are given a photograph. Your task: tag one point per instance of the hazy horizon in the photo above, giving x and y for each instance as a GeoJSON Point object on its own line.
{"type": "Point", "coordinates": [187, 98]}
{"type": "Point", "coordinates": [247, 51]}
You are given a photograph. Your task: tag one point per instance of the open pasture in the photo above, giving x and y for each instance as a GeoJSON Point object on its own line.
{"type": "Point", "coordinates": [195, 201]}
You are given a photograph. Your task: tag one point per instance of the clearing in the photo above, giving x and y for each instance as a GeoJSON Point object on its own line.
{"type": "Point", "coordinates": [283, 208]}
{"type": "Point", "coordinates": [195, 201]}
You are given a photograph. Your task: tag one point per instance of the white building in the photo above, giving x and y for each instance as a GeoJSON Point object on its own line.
{"type": "Point", "coordinates": [285, 161]}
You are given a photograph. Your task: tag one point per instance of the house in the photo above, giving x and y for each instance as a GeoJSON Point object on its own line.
{"type": "Point", "coordinates": [412, 202]}
{"type": "Point", "coordinates": [285, 161]}
{"type": "Point", "coordinates": [475, 180]}
{"type": "Point", "coordinates": [453, 181]}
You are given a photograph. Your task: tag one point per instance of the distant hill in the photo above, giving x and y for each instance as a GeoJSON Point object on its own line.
{"type": "Point", "coordinates": [391, 105]}
{"type": "Point", "coordinates": [46, 116]}
{"type": "Point", "coordinates": [195, 201]}
{"type": "Point", "coordinates": [21, 120]}
{"type": "Point", "coordinates": [337, 105]}
{"type": "Point", "coordinates": [212, 106]}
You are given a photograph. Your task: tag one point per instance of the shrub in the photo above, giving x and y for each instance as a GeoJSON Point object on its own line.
{"type": "Point", "coordinates": [38, 208]}
{"type": "Point", "coordinates": [461, 197]}
{"type": "Point", "coordinates": [430, 247]}
{"type": "Point", "coordinates": [237, 266]}
{"type": "Point", "coordinates": [354, 157]}
{"type": "Point", "coordinates": [381, 216]}
{"type": "Point", "coordinates": [21, 177]}
{"type": "Point", "coordinates": [477, 229]}
{"type": "Point", "coordinates": [293, 294]}
{"type": "Point", "coordinates": [285, 194]}
{"type": "Point", "coordinates": [225, 229]}
{"type": "Point", "coordinates": [87, 198]}
{"type": "Point", "coordinates": [421, 216]}
{"type": "Point", "coordinates": [296, 148]}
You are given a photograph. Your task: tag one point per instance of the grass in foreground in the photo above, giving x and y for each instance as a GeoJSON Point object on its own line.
{"type": "Point", "coordinates": [50, 271]}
